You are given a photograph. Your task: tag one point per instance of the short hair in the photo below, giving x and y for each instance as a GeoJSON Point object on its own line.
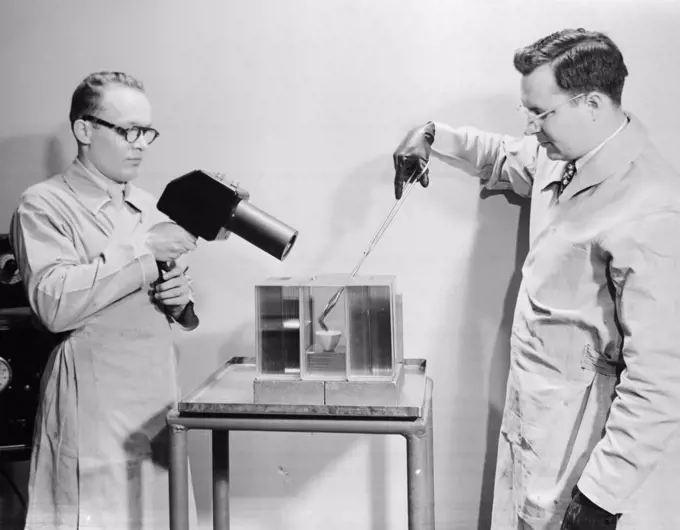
{"type": "Point", "coordinates": [581, 60]}
{"type": "Point", "coordinates": [87, 96]}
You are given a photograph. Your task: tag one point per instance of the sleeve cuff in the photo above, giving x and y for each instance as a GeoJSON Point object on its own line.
{"type": "Point", "coordinates": [149, 269]}
{"type": "Point", "coordinates": [449, 147]}
{"type": "Point", "coordinates": [150, 272]}
{"type": "Point", "coordinates": [602, 499]}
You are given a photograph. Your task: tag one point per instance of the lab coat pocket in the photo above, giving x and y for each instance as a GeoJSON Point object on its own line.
{"type": "Point", "coordinates": [595, 362]}
{"type": "Point", "coordinates": [551, 416]}
{"type": "Point", "coordinates": [542, 422]}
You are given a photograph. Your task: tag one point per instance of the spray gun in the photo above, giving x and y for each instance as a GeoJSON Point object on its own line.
{"type": "Point", "coordinates": [208, 206]}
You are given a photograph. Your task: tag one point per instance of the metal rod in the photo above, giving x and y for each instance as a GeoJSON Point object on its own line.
{"type": "Point", "coordinates": [179, 478]}
{"type": "Point", "coordinates": [286, 424]}
{"type": "Point", "coordinates": [220, 455]}
{"type": "Point", "coordinates": [429, 434]}
{"type": "Point", "coordinates": [306, 424]}
{"type": "Point", "coordinates": [416, 478]}
{"type": "Point", "coordinates": [371, 245]}
{"type": "Point", "coordinates": [420, 471]}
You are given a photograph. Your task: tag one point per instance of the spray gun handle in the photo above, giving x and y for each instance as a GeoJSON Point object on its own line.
{"type": "Point", "coordinates": [165, 266]}
{"type": "Point", "coordinates": [188, 319]}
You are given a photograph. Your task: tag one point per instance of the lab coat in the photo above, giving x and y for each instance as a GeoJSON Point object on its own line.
{"type": "Point", "coordinates": [100, 455]}
{"type": "Point", "coordinates": [593, 391]}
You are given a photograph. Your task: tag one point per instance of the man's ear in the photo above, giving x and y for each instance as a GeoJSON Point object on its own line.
{"type": "Point", "coordinates": [82, 130]}
{"type": "Point", "coordinates": [596, 103]}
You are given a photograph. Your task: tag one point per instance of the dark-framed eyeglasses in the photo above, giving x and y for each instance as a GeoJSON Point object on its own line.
{"type": "Point", "coordinates": [131, 134]}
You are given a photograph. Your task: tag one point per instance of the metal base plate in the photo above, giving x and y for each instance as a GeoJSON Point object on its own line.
{"type": "Point", "coordinates": [365, 393]}
{"type": "Point", "coordinates": [229, 391]}
{"type": "Point", "coordinates": [284, 392]}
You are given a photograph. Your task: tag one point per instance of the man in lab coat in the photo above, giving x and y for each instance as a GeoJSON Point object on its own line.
{"type": "Point", "coordinates": [590, 434]}
{"type": "Point", "coordinates": [88, 243]}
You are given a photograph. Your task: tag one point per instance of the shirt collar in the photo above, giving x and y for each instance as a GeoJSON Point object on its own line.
{"type": "Point", "coordinates": [590, 154]}
{"type": "Point", "coordinates": [95, 192]}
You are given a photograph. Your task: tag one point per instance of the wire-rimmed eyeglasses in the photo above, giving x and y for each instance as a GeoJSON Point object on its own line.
{"type": "Point", "coordinates": [534, 119]}
{"type": "Point", "coordinates": [131, 134]}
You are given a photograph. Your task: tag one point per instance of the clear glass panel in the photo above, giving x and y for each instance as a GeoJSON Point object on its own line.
{"type": "Point", "coordinates": [370, 331]}
{"type": "Point", "coordinates": [278, 329]}
{"type": "Point", "coordinates": [398, 345]}
{"type": "Point", "coordinates": [326, 349]}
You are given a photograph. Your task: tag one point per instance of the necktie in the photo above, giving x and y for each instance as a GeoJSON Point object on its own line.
{"type": "Point", "coordinates": [567, 175]}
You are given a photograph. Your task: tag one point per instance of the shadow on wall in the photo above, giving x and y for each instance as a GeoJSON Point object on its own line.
{"type": "Point", "coordinates": [500, 357]}
{"type": "Point", "coordinates": [355, 200]}
{"type": "Point", "coordinates": [491, 288]}
{"type": "Point", "coordinates": [356, 196]}
{"type": "Point", "coordinates": [27, 160]}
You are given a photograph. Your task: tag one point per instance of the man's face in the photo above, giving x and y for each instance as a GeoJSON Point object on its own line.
{"type": "Point", "coordinates": [562, 132]}
{"type": "Point", "coordinates": [108, 151]}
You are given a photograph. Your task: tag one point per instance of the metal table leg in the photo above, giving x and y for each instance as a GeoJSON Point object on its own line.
{"type": "Point", "coordinates": [420, 475]}
{"type": "Point", "coordinates": [220, 455]}
{"type": "Point", "coordinates": [179, 479]}
{"type": "Point", "coordinates": [417, 462]}
{"type": "Point", "coordinates": [419, 442]}
{"type": "Point", "coordinates": [429, 434]}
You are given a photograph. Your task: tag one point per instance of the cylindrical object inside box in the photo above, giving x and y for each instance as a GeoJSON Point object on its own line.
{"type": "Point", "coordinates": [262, 230]}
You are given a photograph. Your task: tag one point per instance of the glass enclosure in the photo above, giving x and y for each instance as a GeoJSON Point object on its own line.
{"type": "Point", "coordinates": [358, 339]}
{"type": "Point", "coordinates": [278, 330]}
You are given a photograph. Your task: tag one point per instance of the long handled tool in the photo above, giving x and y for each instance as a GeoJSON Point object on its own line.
{"type": "Point", "coordinates": [371, 245]}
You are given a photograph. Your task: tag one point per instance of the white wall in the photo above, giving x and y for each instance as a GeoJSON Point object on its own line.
{"type": "Point", "coordinates": [303, 103]}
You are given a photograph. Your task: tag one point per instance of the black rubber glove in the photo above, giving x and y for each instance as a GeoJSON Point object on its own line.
{"type": "Point", "coordinates": [583, 514]}
{"type": "Point", "coordinates": [411, 156]}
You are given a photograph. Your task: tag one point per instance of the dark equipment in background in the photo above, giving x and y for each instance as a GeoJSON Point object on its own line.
{"type": "Point", "coordinates": [25, 347]}
{"type": "Point", "coordinates": [207, 206]}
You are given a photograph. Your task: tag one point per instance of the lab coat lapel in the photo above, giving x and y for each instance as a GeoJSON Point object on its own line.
{"type": "Point", "coordinates": [90, 194]}
{"type": "Point", "coordinates": [615, 156]}
{"type": "Point", "coordinates": [94, 196]}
